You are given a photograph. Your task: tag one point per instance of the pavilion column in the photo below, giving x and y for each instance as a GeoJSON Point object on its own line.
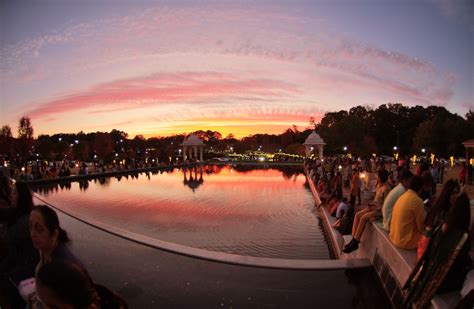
{"type": "Point", "coordinates": [200, 148]}
{"type": "Point", "coordinates": [195, 153]}
{"type": "Point", "coordinates": [321, 155]}
{"type": "Point", "coordinates": [190, 153]}
{"type": "Point", "coordinates": [184, 154]}
{"type": "Point", "coordinates": [307, 151]}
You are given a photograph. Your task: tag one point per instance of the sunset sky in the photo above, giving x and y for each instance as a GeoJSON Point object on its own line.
{"type": "Point", "coordinates": [157, 68]}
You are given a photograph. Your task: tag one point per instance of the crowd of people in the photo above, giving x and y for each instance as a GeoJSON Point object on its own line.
{"type": "Point", "coordinates": [35, 170]}
{"type": "Point", "coordinates": [414, 216]}
{"type": "Point", "coordinates": [37, 267]}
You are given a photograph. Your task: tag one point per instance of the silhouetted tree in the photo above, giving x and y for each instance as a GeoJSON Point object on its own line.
{"type": "Point", "coordinates": [25, 129]}
{"type": "Point", "coordinates": [6, 141]}
{"type": "Point", "coordinates": [24, 143]}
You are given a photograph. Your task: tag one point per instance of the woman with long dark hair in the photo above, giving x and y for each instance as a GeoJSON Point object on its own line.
{"type": "Point", "coordinates": [48, 237]}
{"type": "Point", "coordinates": [445, 201]}
{"type": "Point", "coordinates": [438, 212]}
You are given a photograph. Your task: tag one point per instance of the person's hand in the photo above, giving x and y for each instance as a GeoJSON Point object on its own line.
{"type": "Point", "coordinates": [32, 300]}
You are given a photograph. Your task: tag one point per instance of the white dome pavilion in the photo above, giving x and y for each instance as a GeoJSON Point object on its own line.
{"type": "Point", "coordinates": [314, 140]}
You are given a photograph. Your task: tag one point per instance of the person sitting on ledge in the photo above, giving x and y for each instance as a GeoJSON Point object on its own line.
{"type": "Point", "coordinates": [371, 213]}
{"type": "Point", "coordinates": [437, 214]}
{"type": "Point", "coordinates": [392, 197]}
{"type": "Point", "coordinates": [408, 216]}
{"type": "Point", "coordinates": [446, 261]}
{"type": "Point", "coordinates": [342, 207]}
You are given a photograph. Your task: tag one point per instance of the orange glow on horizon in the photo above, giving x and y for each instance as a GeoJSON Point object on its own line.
{"type": "Point", "coordinates": [240, 128]}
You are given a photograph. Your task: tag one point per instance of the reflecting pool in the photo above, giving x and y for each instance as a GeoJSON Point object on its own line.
{"type": "Point", "coordinates": [246, 210]}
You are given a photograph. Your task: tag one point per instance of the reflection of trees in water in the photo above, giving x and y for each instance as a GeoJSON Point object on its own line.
{"type": "Point", "coordinates": [103, 181]}
{"type": "Point", "coordinates": [288, 172]}
{"type": "Point", "coordinates": [291, 172]}
{"type": "Point", "coordinates": [49, 188]}
{"type": "Point", "coordinates": [213, 169]}
{"type": "Point", "coordinates": [193, 177]}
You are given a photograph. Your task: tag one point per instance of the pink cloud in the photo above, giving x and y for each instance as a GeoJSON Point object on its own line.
{"type": "Point", "coordinates": [164, 88]}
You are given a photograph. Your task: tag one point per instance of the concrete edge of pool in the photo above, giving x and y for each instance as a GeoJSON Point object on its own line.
{"type": "Point", "coordinates": [220, 257]}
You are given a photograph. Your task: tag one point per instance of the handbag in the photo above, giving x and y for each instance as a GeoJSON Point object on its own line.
{"type": "Point", "coordinates": [26, 288]}
{"type": "Point", "coordinates": [425, 239]}
{"type": "Point", "coordinates": [422, 245]}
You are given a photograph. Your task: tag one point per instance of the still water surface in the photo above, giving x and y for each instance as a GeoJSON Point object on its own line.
{"type": "Point", "coordinates": [263, 212]}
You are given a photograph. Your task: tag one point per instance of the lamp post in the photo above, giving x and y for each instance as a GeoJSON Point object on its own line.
{"type": "Point", "coordinates": [398, 139]}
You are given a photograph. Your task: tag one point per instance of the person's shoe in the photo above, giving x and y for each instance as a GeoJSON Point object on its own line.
{"type": "Point", "coordinates": [349, 243]}
{"type": "Point", "coordinates": [352, 247]}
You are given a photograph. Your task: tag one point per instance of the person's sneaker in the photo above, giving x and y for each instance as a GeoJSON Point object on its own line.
{"type": "Point", "coordinates": [351, 247]}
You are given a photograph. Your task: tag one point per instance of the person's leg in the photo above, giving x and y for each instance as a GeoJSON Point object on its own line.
{"type": "Point", "coordinates": [356, 222]}
{"type": "Point", "coordinates": [364, 219]}
{"type": "Point", "coordinates": [357, 217]}
{"type": "Point", "coordinates": [369, 216]}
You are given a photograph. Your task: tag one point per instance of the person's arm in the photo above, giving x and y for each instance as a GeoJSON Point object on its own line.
{"type": "Point", "coordinates": [419, 217]}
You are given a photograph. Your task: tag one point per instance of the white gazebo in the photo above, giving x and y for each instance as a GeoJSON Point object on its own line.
{"type": "Point", "coordinates": [314, 140]}
{"type": "Point", "coordinates": [192, 143]}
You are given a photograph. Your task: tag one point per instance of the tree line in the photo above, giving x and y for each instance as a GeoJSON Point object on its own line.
{"type": "Point", "coordinates": [365, 131]}
{"type": "Point", "coordinates": [362, 130]}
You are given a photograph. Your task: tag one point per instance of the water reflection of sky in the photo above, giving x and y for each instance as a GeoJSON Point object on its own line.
{"type": "Point", "coordinates": [245, 210]}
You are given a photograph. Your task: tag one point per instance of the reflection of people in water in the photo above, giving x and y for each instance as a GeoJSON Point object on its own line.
{"type": "Point", "coordinates": [83, 185]}
{"type": "Point", "coordinates": [194, 180]}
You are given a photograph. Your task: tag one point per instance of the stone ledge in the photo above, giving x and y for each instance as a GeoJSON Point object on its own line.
{"type": "Point", "coordinates": [335, 237]}
{"type": "Point", "coordinates": [376, 239]}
